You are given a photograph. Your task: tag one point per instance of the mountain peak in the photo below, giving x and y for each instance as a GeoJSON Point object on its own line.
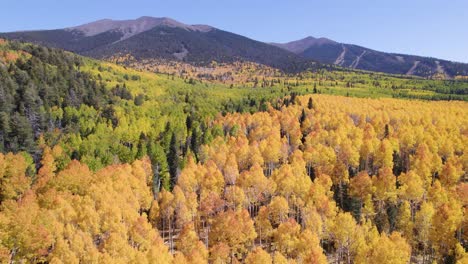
{"type": "Point", "coordinates": [152, 38]}
{"type": "Point", "coordinates": [299, 46]}
{"type": "Point", "coordinates": [318, 41]}
{"type": "Point", "coordinates": [308, 38]}
{"type": "Point", "coordinates": [133, 27]}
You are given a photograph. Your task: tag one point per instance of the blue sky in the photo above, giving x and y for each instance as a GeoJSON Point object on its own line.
{"type": "Point", "coordinates": [433, 28]}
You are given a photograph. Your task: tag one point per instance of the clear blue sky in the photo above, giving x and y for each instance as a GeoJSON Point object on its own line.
{"type": "Point", "coordinates": [433, 28]}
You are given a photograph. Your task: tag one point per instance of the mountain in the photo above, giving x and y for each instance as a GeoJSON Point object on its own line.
{"type": "Point", "coordinates": [131, 28]}
{"type": "Point", "coordinates": [356, 57]}
{"type": "Point", "coordinates": [299, 46]}
{"type": "Point", "coordinates": [163, 38]}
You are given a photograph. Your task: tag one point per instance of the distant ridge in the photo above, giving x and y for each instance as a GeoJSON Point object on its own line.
{"type": "Point", "coordinates": [165, 39]}
{"type": "Point", "coordinates": [356, 57]}
{"type": "Point", "coordinates": [133, 27]}
{"type": "Point", "coordinates": [301, 45]}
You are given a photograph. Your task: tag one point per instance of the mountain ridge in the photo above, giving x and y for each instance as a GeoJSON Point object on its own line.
{"type": "Point", "coordinates": [133, 27]}
{"type": "Point", "coordinates": [358, 57]}
{"type": "Point", "coordinates": [163, 38]}
{"type": "Point", "coordinates": [301, 45]}
{"type": "Point", "coordinates": [168, 39]}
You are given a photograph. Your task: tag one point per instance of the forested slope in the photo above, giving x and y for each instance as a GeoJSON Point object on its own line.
{"type": "Point", "coordinates": [116, 165]}
{"type": "Point", "coordinates": [101, 113]}
{"type": "Point", "coordinates": [34, 83]}
{"type": "Point", "coordinates": [55, 97]}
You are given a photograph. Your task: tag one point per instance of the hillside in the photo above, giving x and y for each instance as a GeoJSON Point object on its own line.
{"type": "Point", "coordinates": [165, 41]}
{"type": "Point", "coordinates": [157, 141]}
{"type": "Point", "coordinates": [45, 91]}
{"type": "Point", "coordinates": [356, 57]}
{"type": "Point", "coordinates": [163, 38]}
{"type": "Point", "coordinates": [108, 164]}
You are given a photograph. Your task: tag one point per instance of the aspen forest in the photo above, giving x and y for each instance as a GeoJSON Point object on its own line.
{"type": "Point", "coordinates": [325, 178]}
{"type": "Point", "coordinates": [104, 163]}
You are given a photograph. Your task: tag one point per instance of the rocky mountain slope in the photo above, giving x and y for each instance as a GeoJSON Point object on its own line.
{"type": "Point", "coordinates": [356, 57]}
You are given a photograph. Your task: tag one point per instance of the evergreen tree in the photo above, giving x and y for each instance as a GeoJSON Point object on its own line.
{"type": "Point", "coordinates": [159, 161]}
{"type": "Point", "coordinates": [142, 146]}
{"type": "Point", "coordinates": [387, 131]}
{"type": "Point", "coordinates": [139, 100]}
{"type": "Point", "coordinates": [310, 104]}
{"type": "Point", "coordinates": [189, 122]}
{"type": "Point", "coordinates": [292, 98]}
{"type": "Point", "coordinates": [173, 159]}
{"type": "Point", "coordinates": [195, 141]}
{"type": "Point", "coordinates": [303, 116]}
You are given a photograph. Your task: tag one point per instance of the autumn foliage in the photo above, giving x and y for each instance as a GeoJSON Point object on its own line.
{"type": "Point", "coordinates": [344, 181]}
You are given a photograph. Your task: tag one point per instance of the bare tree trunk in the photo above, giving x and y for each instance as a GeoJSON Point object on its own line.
{"type": "Point", "coordinates": [171, 243]}
{"type": "Point", "coordinates": [163, 230]}
{"type": "Point", "coordinates": [341, 194]}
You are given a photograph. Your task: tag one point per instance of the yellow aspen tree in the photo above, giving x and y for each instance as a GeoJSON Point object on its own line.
{"type": "Point", "coordinates": [447, 219]}
{"type": "Point", "coordinates": [391, 249]}
{"type": "Point", "coordinates": [422, 163]}
{"type": "Point", "coordinates": [270, 149]}
{"type": "Point", "coordinates": [220, 253]}
{"type": "Point", "coordinates": [190, 245]}
{"type": "Point", "coordinates": [278, 210]}
{"type": "Point", "coordinates": [360, 186]}
{"type": "Point", "coordinates": [256, 186]}
{"type": "Point", "coordinates": [385, 185]}
{"type": "Point", "coordinates": [384, 155]}
{"type": "Point", "coordinates": [13, 180]}
{"type": "Point", "coordinates": [258, 256]}
{"type": "Point", "coordinates": [280, 259]}
{"type": "Point", "coordinates": [263, 226]}
{"type": "Point", "coordinates": [451, 173]}
{"type": "Point", "coordinates": [235, 197]}
{"type": "Point", "coordinates": [411, 189]}
{"type": "Point", "coordinates": [235, 229]}
{"type": "Point", "coordinates": [231, 170]}
{"type": "Point", "coordinates": [424, 225]}
{"type": "Point", "coordinates": [343, 233]}
{"type": "Point", "coordinates": [309, 248]}
{"type": "Point", "coordinates": [213, 180]}
{"type": "Point", "coordinates": [286, 238]}
{"type": "Point", "coordinates": [405, 222]}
